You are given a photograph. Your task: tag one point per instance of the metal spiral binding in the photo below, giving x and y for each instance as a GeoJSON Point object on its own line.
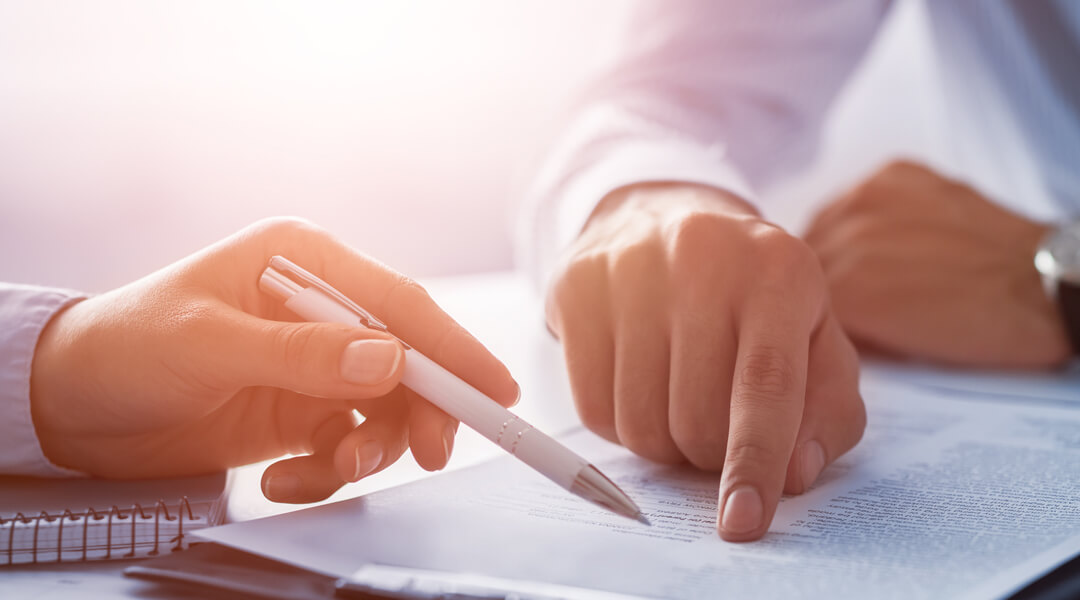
{"type": "Point", "coordinates": [135, 513]}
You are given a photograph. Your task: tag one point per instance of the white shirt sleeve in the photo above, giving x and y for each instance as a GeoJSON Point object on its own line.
{"type": "Point", "coordinates": [24, 312]}
{"type": "Point", "coordinates": [722, 93]}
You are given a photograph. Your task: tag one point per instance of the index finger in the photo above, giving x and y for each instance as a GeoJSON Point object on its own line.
{"type": "Point", "coordinates": [398, 301]}
{"type": "Point", "coordinates": [767, 401]}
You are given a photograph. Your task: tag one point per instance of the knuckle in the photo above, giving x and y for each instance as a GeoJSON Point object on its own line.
{"type": "Point", "coordinates": [448, 342]}
{"type": "Point", "coordinates": [577, 278]}
{"type": "Point", "coordinates": [765, 376]}
{"type": "Point", "coordinates": [560, 291]}
{"type": "Point", "coordinates": [784, 257]}
{"type": "Point", "coordinates": [554, 315]}
{"type": "Point", "coordinates": [577, 290]}
{"type": "Point", "coordinates": [405, 299]}
{"type": "Point", "coordinates": [695, 236]}
{"type": "Point", "coordinates": [768, 237]}
{"type": "Point", "coordinates": [901, 172]}
{"type": "Point", "coordinates": [900, 168]}
{"type": "Point", "coordinates": [284, 228]}
{"type": "Point", "coordinates": [752, 457]}
{"type": "Point", "coordinates": [880, 188]}
{"type": "Point", "coordinates": [864, 196]}
{"type": "Point", "coordinates": [295, 345]}
{"type": "Point", "coordinates": [407, 290]}
{"type": "Point", "coordinates": [634, 263]}
{"type": "Point", "coordinates": [771, 257]}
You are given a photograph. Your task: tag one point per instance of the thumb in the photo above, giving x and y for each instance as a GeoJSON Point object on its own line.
{"type": "Point", "coordinates": [315, 359]}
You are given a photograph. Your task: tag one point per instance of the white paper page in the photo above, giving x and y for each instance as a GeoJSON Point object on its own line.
{"type": "Point", "coordinates": [941, 499]}
{"type": "Point", "coordinates": [1061, 387]}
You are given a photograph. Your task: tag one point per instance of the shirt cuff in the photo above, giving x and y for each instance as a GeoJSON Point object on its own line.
{"type": "Point", "coordinates": [24, 312]}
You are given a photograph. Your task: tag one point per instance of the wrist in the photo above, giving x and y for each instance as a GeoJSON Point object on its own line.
{"type": "Point", "coordinates": [50, 374]}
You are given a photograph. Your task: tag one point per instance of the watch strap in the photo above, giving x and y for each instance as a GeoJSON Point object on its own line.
{"type": "Point", "coordinates": [1069, 298]}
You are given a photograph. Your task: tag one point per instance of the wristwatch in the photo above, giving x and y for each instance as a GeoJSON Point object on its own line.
{"type": "Point", "coordinates": [1058, 261]}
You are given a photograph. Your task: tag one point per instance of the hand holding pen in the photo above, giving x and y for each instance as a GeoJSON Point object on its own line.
{"type": "Point", "coordinates": [193, 369]}
{"type": "Point", "coordinates": [312, 298]}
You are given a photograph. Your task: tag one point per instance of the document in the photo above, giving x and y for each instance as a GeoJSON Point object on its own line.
{"type": "Point", "coordinates": [941, 499]}
{"type": "Point", "coordinates": [1060, 387]}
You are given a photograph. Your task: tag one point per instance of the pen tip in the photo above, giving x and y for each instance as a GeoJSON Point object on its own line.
{"type": "Point", "coordinates": [592, 485]}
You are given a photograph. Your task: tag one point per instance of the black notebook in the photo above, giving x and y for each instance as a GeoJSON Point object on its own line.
{"type": "Point", "coordinates": [60, 520]}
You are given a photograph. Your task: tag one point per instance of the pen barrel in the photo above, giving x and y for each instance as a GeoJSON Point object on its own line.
{"type": "Point", "coordinates": [478, 411]}
{"type": "Point", "coordinates": [458, 399]}
{"type": "Point", "coordinates": [314, 305]}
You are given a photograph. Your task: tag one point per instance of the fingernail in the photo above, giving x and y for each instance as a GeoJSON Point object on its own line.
{"type": "Point", "coordinates": [813, 461]}
{"type": "Point", "coordinates": [448, 438]}
{"type": "Point", "coordinates": [368, 456]}
{"type": "Point", "coordinates": [517, 396]}
{"type": "Point", "coordinates": [282, 487]}
{"type": "Point", "coordinates": [369, 362]}
{"type": "Point", "coordinates": [743, 510]}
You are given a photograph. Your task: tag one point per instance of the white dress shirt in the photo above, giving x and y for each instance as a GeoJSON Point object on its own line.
{"type": "Point", "coordinates": [733, 95]}
{"type": "Point", "coordinates": [24, 312]}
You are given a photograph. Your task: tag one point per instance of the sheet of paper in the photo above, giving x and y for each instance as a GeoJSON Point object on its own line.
{"type": "Point", "coordinates": [1060, 387]}
{"type": "Point", "coordinates": [942, 499]}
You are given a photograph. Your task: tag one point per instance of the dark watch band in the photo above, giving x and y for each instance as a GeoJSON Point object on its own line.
{"type": "Point", "coordinates": [1069, 298]}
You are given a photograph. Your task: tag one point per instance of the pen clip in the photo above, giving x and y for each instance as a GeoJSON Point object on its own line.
{"type": "Point", "coordinates": [283, 272]}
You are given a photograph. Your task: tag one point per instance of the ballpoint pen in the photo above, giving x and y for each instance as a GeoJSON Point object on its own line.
{"type": "Point", "coordinates": [315, 300]}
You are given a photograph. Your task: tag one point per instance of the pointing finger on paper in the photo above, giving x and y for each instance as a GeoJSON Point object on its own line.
{"type": "Point", "coordinates": [766, 408]}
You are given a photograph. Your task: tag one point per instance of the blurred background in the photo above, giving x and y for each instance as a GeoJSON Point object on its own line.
{"type": "Point", "coordinates": [135, 132]}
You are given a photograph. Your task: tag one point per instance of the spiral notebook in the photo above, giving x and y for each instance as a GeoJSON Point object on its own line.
{"type": "Point", "coordinates": [61, 520]}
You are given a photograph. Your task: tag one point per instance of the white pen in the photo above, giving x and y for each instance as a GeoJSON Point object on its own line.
{"type": "Point", "coordinates": [314, 300]}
